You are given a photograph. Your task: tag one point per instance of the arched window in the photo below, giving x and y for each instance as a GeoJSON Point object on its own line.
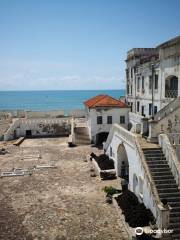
{"type": "Point", "coordinates": [171, 87]}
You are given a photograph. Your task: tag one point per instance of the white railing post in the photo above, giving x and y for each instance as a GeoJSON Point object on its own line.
{"type": "Point", "coordinates": [171, 157]}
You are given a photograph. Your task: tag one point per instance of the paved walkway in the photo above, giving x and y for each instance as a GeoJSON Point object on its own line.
{"type": "Point", "coordinates": [56, 204]}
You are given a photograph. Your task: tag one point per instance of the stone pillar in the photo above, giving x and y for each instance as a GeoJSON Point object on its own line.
{"type": "Point", "coordinates": [163, 218]}
{"type": "Point", "coordinates": [152, 131]}
{"type": "Point", "coordinates": [138, 127]}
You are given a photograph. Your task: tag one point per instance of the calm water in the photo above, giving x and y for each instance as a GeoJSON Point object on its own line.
{"type": "Point", "coordinates": [50, 100]}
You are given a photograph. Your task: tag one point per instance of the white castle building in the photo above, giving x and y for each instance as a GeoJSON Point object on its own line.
{"type": "Point", "coordinates": [152, 76]}
{"type": "Point", "coordinates": [150, 151]}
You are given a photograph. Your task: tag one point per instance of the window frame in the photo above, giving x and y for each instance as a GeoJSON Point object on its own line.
{"type": "Point", "coordinates": [156, 78]}
{"type": "Point", "coordinates": [122, 117]}
{"type": "Point", "coordinates": [150, 82]}
{"type": "Point", "coordinates": [109, 118]}
{"type": "Point", "coordinates": [101, 121]}
{"type": "Point", "coordinates": [138, 106]}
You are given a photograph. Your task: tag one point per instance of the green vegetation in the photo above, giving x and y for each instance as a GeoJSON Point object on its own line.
{"type": "Point", "coordinates": [111, 190]}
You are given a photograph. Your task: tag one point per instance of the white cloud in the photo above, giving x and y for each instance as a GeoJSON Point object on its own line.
{"type": "Point", "coordinates": [52, 75]}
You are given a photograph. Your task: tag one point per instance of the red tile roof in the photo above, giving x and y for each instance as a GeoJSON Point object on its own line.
{"type": "Point", "coordinates": [104, 101]}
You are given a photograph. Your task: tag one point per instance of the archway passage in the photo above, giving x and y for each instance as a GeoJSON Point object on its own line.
{"type": "Point", "coordinates": [28, 133]}
{"type": "Point", "coordinates": [101, 137]}
{"type": "Point", "coordinates": [171, 87]}
{"type": "Point", "coordinates": [122, 163]}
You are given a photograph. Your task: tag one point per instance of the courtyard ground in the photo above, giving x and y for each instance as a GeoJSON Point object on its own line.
{"type": "Point", "coordinates": [55, 204]}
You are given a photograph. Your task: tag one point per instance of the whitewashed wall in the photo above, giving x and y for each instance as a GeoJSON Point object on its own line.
{"type": "Point", "coordinates": [168, 65]}
{"type": "Point", "coordinates": [168, 124]}
{"type": "Point", "coordinates": [44, 114]}
{"type": "Point", "coordinates": [77, 113]}
{"type": "Point", "coordinates": [38, 127]}
{"type": "Point", "coordinates": [135, 168]}
{"type": "Point", "coordinates": [95, 128]}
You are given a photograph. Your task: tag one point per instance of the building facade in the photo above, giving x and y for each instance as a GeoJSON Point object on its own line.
{"type": "Point", "coordinates": [102, 112]}
{"type": "Point", "coordinates": [152, 77]}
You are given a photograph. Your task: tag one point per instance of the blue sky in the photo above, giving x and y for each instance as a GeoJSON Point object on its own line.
{"type": "Point", "coordinates": [78, 44]}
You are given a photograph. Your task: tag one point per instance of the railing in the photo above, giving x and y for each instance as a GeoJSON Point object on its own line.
{"type": "Point", "coordinates": [167, 109]}
{"type": "Point", "coordinates": [127, 136]}
{"type": "Point", "coordinates": [8, 135]}
{"type": "Point", "coordinates": [162, 212]}
{"type": "Point", "coordinates": [174, 138]}
{"type": "Point", "coordinates": [171, 157]}
{"type": "Point", "coordinates": [171, 93]}
{"type": "Point", "coordinates": [5, 121]}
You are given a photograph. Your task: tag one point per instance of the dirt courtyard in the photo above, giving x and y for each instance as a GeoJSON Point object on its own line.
{"type": "Point", "coordinates": [62, 203]}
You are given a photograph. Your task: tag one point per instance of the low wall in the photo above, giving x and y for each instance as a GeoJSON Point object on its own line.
{"type": "Point", "coordinates": [38, 127]}
{"type": "Point", "coordinates": [78, 113]}
{"type": "Point", "coordinates": [104, 174]}
{"type": "Point", "coordinates": [171, 157]}
{"type": "Point", "coordinates": [45, 114]}
{"type": "Point", "coordinates": [168, 124]}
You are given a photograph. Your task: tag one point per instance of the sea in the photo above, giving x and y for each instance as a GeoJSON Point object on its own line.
{"type": "Point", "coordinates": [50, 100]}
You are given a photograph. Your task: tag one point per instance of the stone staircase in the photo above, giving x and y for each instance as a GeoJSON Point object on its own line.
{"type": "Point", "coordinates": [81, 136]}
{"type": "Point", "coordinates": [165, 185]}
{"type": "Point", "coordinates": [4, 126]}
{"type": "Point", "coordinates": [165, 111]}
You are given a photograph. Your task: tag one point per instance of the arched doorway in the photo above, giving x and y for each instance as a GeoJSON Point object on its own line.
{"type": "Point", "coordinates": [122, 163]}
{"type": "Point", "coordinates": [101, 137]}
{"type": "Point", "coordinates": [171, 87]}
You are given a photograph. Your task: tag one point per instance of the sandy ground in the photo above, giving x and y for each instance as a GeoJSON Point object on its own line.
{"type": "Point", "coordinates": [55, 204]}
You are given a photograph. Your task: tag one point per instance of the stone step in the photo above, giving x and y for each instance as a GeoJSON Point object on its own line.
{"type": "Point", "coordinates": [152, 162]}
{"type": "Point", "coordinates": [163, 186]}
{"type": "Point", "coordinates": [81, 143]}
{"type": "Point", "coordinates": [170, 195]}
{"type": "Point", "coordinates": [175, 209]}
{"type": "Point", "coordinates": [174, 204]}
{"type": "Point", "coordinates": [171, 199]}
{"type": "Point", "coordinates": [168, 190]}
{"type": "Point", "coordinates": [175, 236]}
{"type": "Point", "coordinates": [165, 170]}
{"type": "Point", "coordinates": [163, 180]}
{"type": "Point", "coordinates": [165, 166]}
{"type": "Point", "coordinates": [154, 154]}
{"type": "Point", "coordinates": [175, 226]}
{"type": "Point", "coordinates": [154, 158]}
{"type": "Point", "coordinates": [175, 219]}
{"type": "Point", "coordinates": [82, 140]}
{"type": "Point", "coordinates": [80, 130]}
{"type": "Point", "coordinates": [176, 232]}
{"type": "Point", "coordinates": [81, 137]}
{"type": "Point", "coordinates": [174, 214]}
{"type": "Point", "coordinates": [160, 173]}
{"type": "Point", "coordinates": [152, 149]}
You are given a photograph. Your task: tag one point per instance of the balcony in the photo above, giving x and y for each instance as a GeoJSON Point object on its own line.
{"type": "Point", "coordinates": [171, 93]}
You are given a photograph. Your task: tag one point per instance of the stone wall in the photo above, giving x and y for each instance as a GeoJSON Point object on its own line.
{"type": "Point", "coordinates": [168, 124]}
{"type": "Point", "coordinates": [144, 187]}
{"type": "Point", "coordinates": [38, 127]}
{"type": "Point", "coordinates": [44, 114]}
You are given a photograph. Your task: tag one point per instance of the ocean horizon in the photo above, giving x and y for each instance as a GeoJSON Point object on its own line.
{"type": "Point", "coordinates": [47, 100]}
